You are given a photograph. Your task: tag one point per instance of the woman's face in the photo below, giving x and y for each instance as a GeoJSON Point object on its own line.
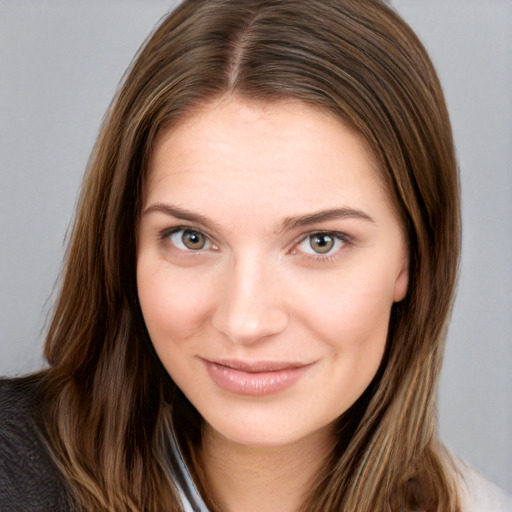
{"type": "Point", "coordinates": [269, 257]}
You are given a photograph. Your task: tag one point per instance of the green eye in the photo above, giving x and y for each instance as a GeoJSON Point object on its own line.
{"type": "Point", "coordinates": [193, 240]}
{"type": "Point", "coordinates": [321, 243]}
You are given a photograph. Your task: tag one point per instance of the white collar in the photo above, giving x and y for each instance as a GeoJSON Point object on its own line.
{"type": "Point", "coordinates": [189, 494]}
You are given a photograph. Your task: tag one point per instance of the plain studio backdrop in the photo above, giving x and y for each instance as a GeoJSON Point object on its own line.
{"type": "Point", "coordinates": [60, 63]}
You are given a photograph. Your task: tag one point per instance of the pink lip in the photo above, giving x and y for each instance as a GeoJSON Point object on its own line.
{"type": "Point", "coordinates": [255, 378]}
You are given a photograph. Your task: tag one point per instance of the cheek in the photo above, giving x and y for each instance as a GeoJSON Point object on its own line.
{"type": "Point", "coordinates": [351, 319]}
{"type": "Point", "coordinates": [173, 304]}
{"type": "Point", "coordinates": [350, 307]}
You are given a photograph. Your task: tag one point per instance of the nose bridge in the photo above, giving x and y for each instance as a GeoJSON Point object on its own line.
{"type": "Point", "coordinates": [251, 305]}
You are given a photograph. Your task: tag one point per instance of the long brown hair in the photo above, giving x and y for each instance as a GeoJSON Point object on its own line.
{"type": "Point", "coordinates": [108, 397]}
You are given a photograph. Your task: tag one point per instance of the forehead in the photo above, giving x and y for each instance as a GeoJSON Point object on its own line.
{"type": "Point", "coordinates": [257, 155]}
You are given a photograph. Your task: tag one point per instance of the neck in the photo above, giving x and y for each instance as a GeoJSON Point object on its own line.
{"type": "Point", "coordinates": [259, 478]}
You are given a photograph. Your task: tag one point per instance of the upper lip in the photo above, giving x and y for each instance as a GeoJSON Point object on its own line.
{"type": "Point", "coordinates": [257, 366]}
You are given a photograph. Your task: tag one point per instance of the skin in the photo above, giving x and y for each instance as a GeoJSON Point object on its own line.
{"type": "Point", "coordinates": [258, 292]}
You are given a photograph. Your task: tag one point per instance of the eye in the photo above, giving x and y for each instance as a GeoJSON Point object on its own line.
{"type": "Point", "coordinates": [189, 239]}
{"type": "Point", "coordinates": [322, 243]}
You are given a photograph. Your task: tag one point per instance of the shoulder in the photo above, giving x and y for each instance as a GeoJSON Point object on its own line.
{"type": "Point", "coordinates": [477, 493]}
{"type": "Point", "coordinates": [29, 479]}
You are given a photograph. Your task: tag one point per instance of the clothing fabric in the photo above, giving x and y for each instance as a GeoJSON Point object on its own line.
{"type": "Point", "coordinates": [30, 481]}
{"type": "Point", "coordinates": [190, 497]}
{"type": "Point", "coordinates": [478, 494]}
{"type": "Point", "coordinates": [29, 478]}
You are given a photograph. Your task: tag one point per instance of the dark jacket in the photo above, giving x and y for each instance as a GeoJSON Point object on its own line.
{"type": "Point", "coordinates": [29, 479]}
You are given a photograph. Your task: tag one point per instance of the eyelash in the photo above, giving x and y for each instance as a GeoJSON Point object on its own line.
{"type": "Point", "coordinates": [339, 238]}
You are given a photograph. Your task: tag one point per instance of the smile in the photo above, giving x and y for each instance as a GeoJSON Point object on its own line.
{"type": "Point", "coordinates": [255, 379]}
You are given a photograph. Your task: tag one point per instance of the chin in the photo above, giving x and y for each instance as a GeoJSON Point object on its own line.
{"type": "Point", "coordinates": [266, 431]}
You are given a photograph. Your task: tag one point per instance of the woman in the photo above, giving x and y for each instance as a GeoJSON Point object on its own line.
{"type": "Point", "coordinates": [262, 266]}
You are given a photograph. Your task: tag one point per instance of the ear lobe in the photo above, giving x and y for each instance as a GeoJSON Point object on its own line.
{"type": "Point", "coordinates": [401, 283]}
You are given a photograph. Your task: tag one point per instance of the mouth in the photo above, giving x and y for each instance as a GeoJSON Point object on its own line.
{"type": "Point", "coordinates": [255, 378]}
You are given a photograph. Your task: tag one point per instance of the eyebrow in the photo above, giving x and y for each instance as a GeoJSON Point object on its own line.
{"type": "Point", "coordinates": [323, 216]}
{"type": "Point", "coordinates": [288, 223]}
{"type": "Point", "coordinates": [182, 214]}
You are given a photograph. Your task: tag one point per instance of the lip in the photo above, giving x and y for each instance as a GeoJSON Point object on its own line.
{"type": "Point", "coordinates": [255, 378]}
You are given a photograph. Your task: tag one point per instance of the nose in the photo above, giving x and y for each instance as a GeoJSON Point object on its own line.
{"type": "Point", "coordinates": [251, 304]}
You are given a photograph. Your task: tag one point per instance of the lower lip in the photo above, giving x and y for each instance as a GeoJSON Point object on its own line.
{"type": "Point", "coordinates": [254, 383]}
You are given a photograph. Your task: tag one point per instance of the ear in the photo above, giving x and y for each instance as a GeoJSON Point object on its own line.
{"type": "Point", "coordinates": [402, 282]}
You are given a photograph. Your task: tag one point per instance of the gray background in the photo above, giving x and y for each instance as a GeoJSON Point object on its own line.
{"type": "Point", "coordinates": [60, 63]}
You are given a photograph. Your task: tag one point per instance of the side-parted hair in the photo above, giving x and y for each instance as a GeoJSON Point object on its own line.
{"type": "Point", "coordinates": [109, 401]}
